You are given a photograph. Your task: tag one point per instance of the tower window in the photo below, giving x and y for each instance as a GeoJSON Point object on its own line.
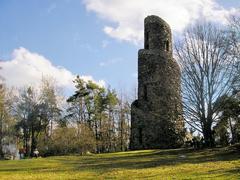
{"type": "Point", "coordinates": [145, 92]}
{"type": "Point", "coordinates": [140, 135]}
{"type": "Point", "coordinates": [166, 45]}
{"type": "Point", "coordinates": [146, 43]}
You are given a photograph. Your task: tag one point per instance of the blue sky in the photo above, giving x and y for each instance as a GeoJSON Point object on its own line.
{"type": "Point", "coordinates": [94, 38]}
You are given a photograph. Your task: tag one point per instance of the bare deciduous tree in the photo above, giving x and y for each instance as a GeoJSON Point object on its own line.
{"type": "Point", "coordinates": [234, 38]}
{"type": "Point", "coordinates": [207, 70]}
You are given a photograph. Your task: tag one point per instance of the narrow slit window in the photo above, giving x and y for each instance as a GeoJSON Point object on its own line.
{"type": "Point", "coordinates": [166, 45]}
{"type": "Point", "coordinates": [146, 40]}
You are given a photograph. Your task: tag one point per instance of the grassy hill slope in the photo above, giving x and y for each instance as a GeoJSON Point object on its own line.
{"type": "Point", "coordinates": [148, 164]}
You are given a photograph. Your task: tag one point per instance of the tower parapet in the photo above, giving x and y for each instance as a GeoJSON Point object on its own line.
{"type": "Point", "coordinates": [157, 34]}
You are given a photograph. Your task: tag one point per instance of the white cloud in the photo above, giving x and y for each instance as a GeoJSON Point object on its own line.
{"type": "Point", "coordinates": [110, 62]}
{"type": "Point", "coordinates": [125, 17]}
{"type": "Point", "coordinates": [28, 68]}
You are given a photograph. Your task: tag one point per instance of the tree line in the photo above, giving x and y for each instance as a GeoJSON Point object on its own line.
{"type": "Point", "coordinates": [93, 119]}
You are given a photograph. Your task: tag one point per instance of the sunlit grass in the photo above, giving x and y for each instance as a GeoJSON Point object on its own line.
{"type": "Point", "coordinates": [148, 164]}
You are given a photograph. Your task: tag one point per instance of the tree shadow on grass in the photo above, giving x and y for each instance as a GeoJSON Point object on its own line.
{"type": "Point", "coordinates": [129, 160]}
{"type": "Point", "coordinates": [21, 169]}
{"type": "Point", "coordinates": [154, 159]}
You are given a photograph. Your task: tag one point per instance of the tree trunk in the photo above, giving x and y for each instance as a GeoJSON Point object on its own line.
{"type": "Point", "coordinates": [208, 135]}
{"type": "Point", "coordinates": [33, 142]}
{"type": "Point", "coordinates": [232, 132]}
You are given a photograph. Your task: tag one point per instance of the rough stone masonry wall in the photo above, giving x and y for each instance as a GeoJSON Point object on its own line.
{"type": "Point", "coordinates": [156, 117]}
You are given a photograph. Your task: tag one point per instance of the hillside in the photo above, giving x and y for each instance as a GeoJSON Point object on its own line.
{"type": "Point", "coordinates": [146, 164]}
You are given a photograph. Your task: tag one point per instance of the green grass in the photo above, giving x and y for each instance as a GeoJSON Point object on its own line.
{"type": "Point", "coordinates": [146, 164]}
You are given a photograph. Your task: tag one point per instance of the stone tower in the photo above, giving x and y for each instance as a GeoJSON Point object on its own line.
{"type": "Point", "coordinates": [156, 116]}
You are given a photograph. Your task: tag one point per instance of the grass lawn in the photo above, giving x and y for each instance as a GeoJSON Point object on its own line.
{"type": "Point", "coordinates": [146, 164]}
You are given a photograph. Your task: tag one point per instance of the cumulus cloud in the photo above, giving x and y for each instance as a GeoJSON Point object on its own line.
{"type": "Point", "coordinates": [28, 68]}
{"type": "Point", "coordinates": [125, 17]}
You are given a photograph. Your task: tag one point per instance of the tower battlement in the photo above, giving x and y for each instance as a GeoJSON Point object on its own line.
{"type": "Point", "coordinates": [157, 34]}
